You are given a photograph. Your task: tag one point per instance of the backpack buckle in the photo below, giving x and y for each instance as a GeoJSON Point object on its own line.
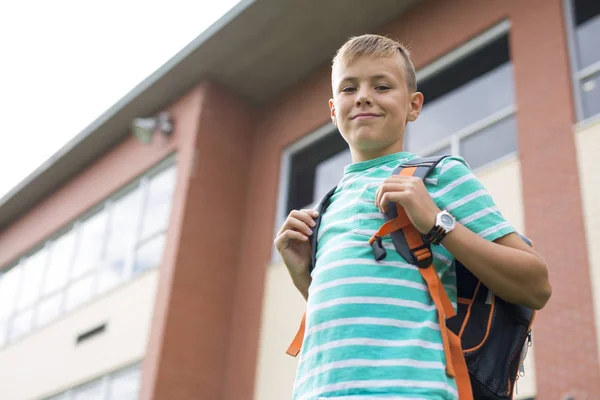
{"type": "Point", "coordinates": [378, 251]}
{"type": "Point", "coordinates": [422, 255]}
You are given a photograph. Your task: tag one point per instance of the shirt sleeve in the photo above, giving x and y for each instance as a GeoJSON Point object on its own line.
{"type": "Point", "coordinates": [455, 188]}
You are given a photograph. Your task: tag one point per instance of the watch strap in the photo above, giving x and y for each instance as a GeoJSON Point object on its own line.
{"type": "Point", "coordinates": [436, 234]}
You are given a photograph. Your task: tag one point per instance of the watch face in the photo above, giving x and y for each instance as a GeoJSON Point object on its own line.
{"type": "Point", "coordinates": [446, 220]}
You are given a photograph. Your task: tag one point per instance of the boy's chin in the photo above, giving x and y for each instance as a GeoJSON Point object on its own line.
{"type": "Point", "coordinates": [371, 140]}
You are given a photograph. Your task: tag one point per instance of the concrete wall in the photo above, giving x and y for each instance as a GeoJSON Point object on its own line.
{"type": "Point", "coordinates": [49, 360]}
{"type": "Point", "coordinates": [588, 149]}
{"type": "Point", "coordinates": [282, 309]}
{"type": "Point", "coordinates": [503, 181]}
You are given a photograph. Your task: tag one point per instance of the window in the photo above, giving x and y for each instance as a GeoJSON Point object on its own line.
{"type": "Point", "coordinates": [90, 391]}
{"type": "Point", "coordinates": [469, 105]}
{"type": "Point", "coordinates": [121, 385]}
{"type": "Point", "coordinates": [158, 204]}
{"type": "Point", "coordinates": [92, 237]}
{"type": "Point", "coordinates": [315, 169]}
{"type": "Point", "coordinates": [61, 252]}
{"type": "Point", "coordinates": [33, 270]}
{"type": "Point", "coordinates": [310, 168]}
{"type": "Point", "coordinates": [9, 284]}
{"type": "Point", "coordinates": [583, 22]}
{"type": "Point", "coordinates": [61, 257]}
{"type": "Point", "coordinates": [29, 289]}
{"type": "Point", "coordinates": [149, 247]}
{"type": "Point", "coordinates": [122, 230]}
{"type": "Point", "coordinates": [114, 242]}
{"type": "Point", "coordinates": [125, 385]}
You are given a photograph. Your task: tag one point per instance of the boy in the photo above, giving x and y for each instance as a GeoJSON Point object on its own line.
{"type": "Point", "coordinates": [371, 327]}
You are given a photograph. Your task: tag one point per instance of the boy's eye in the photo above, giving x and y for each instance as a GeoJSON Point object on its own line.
{"type": "Point", "coordinates": [348, 89]}
{"type": "Point", "coordinates": [382, 87]}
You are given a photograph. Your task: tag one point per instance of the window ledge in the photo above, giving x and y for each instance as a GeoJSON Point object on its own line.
{"type": "Point", "coordinates": [510, 157]}
{"type": "Point", "coordinates": [587, 123]}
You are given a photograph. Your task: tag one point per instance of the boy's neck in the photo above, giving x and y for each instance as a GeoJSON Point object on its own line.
{"type": "Point", "coordinates": [361, 155]}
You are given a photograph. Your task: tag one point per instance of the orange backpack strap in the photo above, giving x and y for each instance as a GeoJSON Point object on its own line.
{"type": "Point", "coordinates": [462, 378]}
{"type": "Point", "coordinates": [456, 366]}
{"type": "Point", "coordinates": [296, 344]}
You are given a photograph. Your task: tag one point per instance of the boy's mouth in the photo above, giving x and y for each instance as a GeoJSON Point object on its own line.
{"type": "Point", "coordinates": [365, 116]}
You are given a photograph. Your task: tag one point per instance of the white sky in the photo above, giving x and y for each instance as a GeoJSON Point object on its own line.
{"type": "Point", "coordinates": [64, 62]}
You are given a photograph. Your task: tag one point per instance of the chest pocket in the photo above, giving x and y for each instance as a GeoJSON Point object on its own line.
{"type": "Point", "coordinates": [368, 219]}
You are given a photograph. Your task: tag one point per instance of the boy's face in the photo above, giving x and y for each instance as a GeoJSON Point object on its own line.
{"type": "Point", "coordinates": [371, 105]}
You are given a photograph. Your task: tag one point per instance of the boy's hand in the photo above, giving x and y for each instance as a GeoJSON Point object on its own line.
{"type": "Point", "coordinates": [410, 193]}
{"type": "Point", "coordinates": [293, 242]}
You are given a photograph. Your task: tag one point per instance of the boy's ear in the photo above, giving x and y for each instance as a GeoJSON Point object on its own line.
{"type": "Point", "coordinates": [416, 104]}
{"type": "Point", "coordinates": [332, 109]}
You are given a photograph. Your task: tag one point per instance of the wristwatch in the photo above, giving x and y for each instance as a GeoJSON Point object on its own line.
{"type": "Point", "coordinates": [444, 224]}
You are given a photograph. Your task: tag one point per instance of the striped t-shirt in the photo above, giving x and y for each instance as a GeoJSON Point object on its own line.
{"type": "Point", "coordinates": [371, 327]}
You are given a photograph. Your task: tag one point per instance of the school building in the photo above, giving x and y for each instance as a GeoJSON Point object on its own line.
{"type": "Point", "coordinates": [146, 269]}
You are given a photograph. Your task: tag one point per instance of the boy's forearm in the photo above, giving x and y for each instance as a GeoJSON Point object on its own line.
{"type": "Point", "coordinates": [302, 283]}
{"type": "Point", "coordinates": [515, 275]}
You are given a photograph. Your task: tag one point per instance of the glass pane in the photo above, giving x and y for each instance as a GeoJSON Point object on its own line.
{"type": "Point", "coordinates": [33, 273]}
{"type": "Point", "coordinates": [124, 218]}
{"type": "Point", "coordinates": [490, 144]}
{"type": "Point", "coordinates": [9, 285]}
{"type": "Point", "coordinates": [444, 151]}
{"type": "Point", "coordinates": [3, 333]}
{"type": "Point", "coordinates": [62, 396]}
{"type": "Point", "coordinates": [92, 235]}
{"type": "Point", "coordinates": [80, 292]}
{"type": "Point", "coordinates": [587, 35]}
{"type": "Point", "coordinates": [125, 385]}
{"type": "Point", "coordinates": [49, 309]}
{"type": "Point", "coordinates": [303, 164]}
{"type": "Point", "coordinates": [149, 254]}
{"type": "Point", "coordinates": [90, 391]}
{"type": "Point", "coordinates": [590, 88]}
{"type": "Point", "coordinates": [21, 324]}
{"type": "Point", "coordinates": [328, 173]}
{"type": "Point", "coordinates": [61, 256]}
{"type": "Point", "coordinates": [158, 203]}
{"type": "Point", "coordinates": [461, 107]}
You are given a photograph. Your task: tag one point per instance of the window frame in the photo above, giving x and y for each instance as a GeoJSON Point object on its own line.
{"type": "Point", "coordinates": [577, 74]}
{"type": "Point", "coordinates": [453, 139]}
{"type": "Point", "coordinates": [285, 164]}
{"type": "Point", "coordinates": [104, 380]}
{"type": "Point", "coordinates": [140, 182]}
{"type": "Point", "coordinates": [21, 263]}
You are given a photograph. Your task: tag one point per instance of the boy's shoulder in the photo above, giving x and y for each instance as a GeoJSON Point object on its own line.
{"type": "Point", "coordinates": [448, 170]}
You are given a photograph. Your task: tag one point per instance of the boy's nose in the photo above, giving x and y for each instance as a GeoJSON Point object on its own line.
{"type": "Point", "coordinates": [363, 99]}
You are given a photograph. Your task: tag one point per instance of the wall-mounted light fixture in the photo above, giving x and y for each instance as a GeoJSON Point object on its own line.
{"type": "Point", "coordinates": [144, 128]}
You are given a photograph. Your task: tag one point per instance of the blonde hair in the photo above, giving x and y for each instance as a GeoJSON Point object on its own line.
{"type": "Point", "coordinates": [377, 46]}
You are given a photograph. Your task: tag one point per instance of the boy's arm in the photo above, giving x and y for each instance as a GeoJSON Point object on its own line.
{"type": "Point", "coordinates": [501, 260]}
{"type": "Point", "coordinates": [293, 244]}
{"type": "Point", "coordinates": [508, 266]}
{"type": "Point", "coordinates": [302, 283]}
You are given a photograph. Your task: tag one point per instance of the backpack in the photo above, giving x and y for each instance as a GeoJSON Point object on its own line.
{"type": "Point", "coordinates": [485, 341]}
